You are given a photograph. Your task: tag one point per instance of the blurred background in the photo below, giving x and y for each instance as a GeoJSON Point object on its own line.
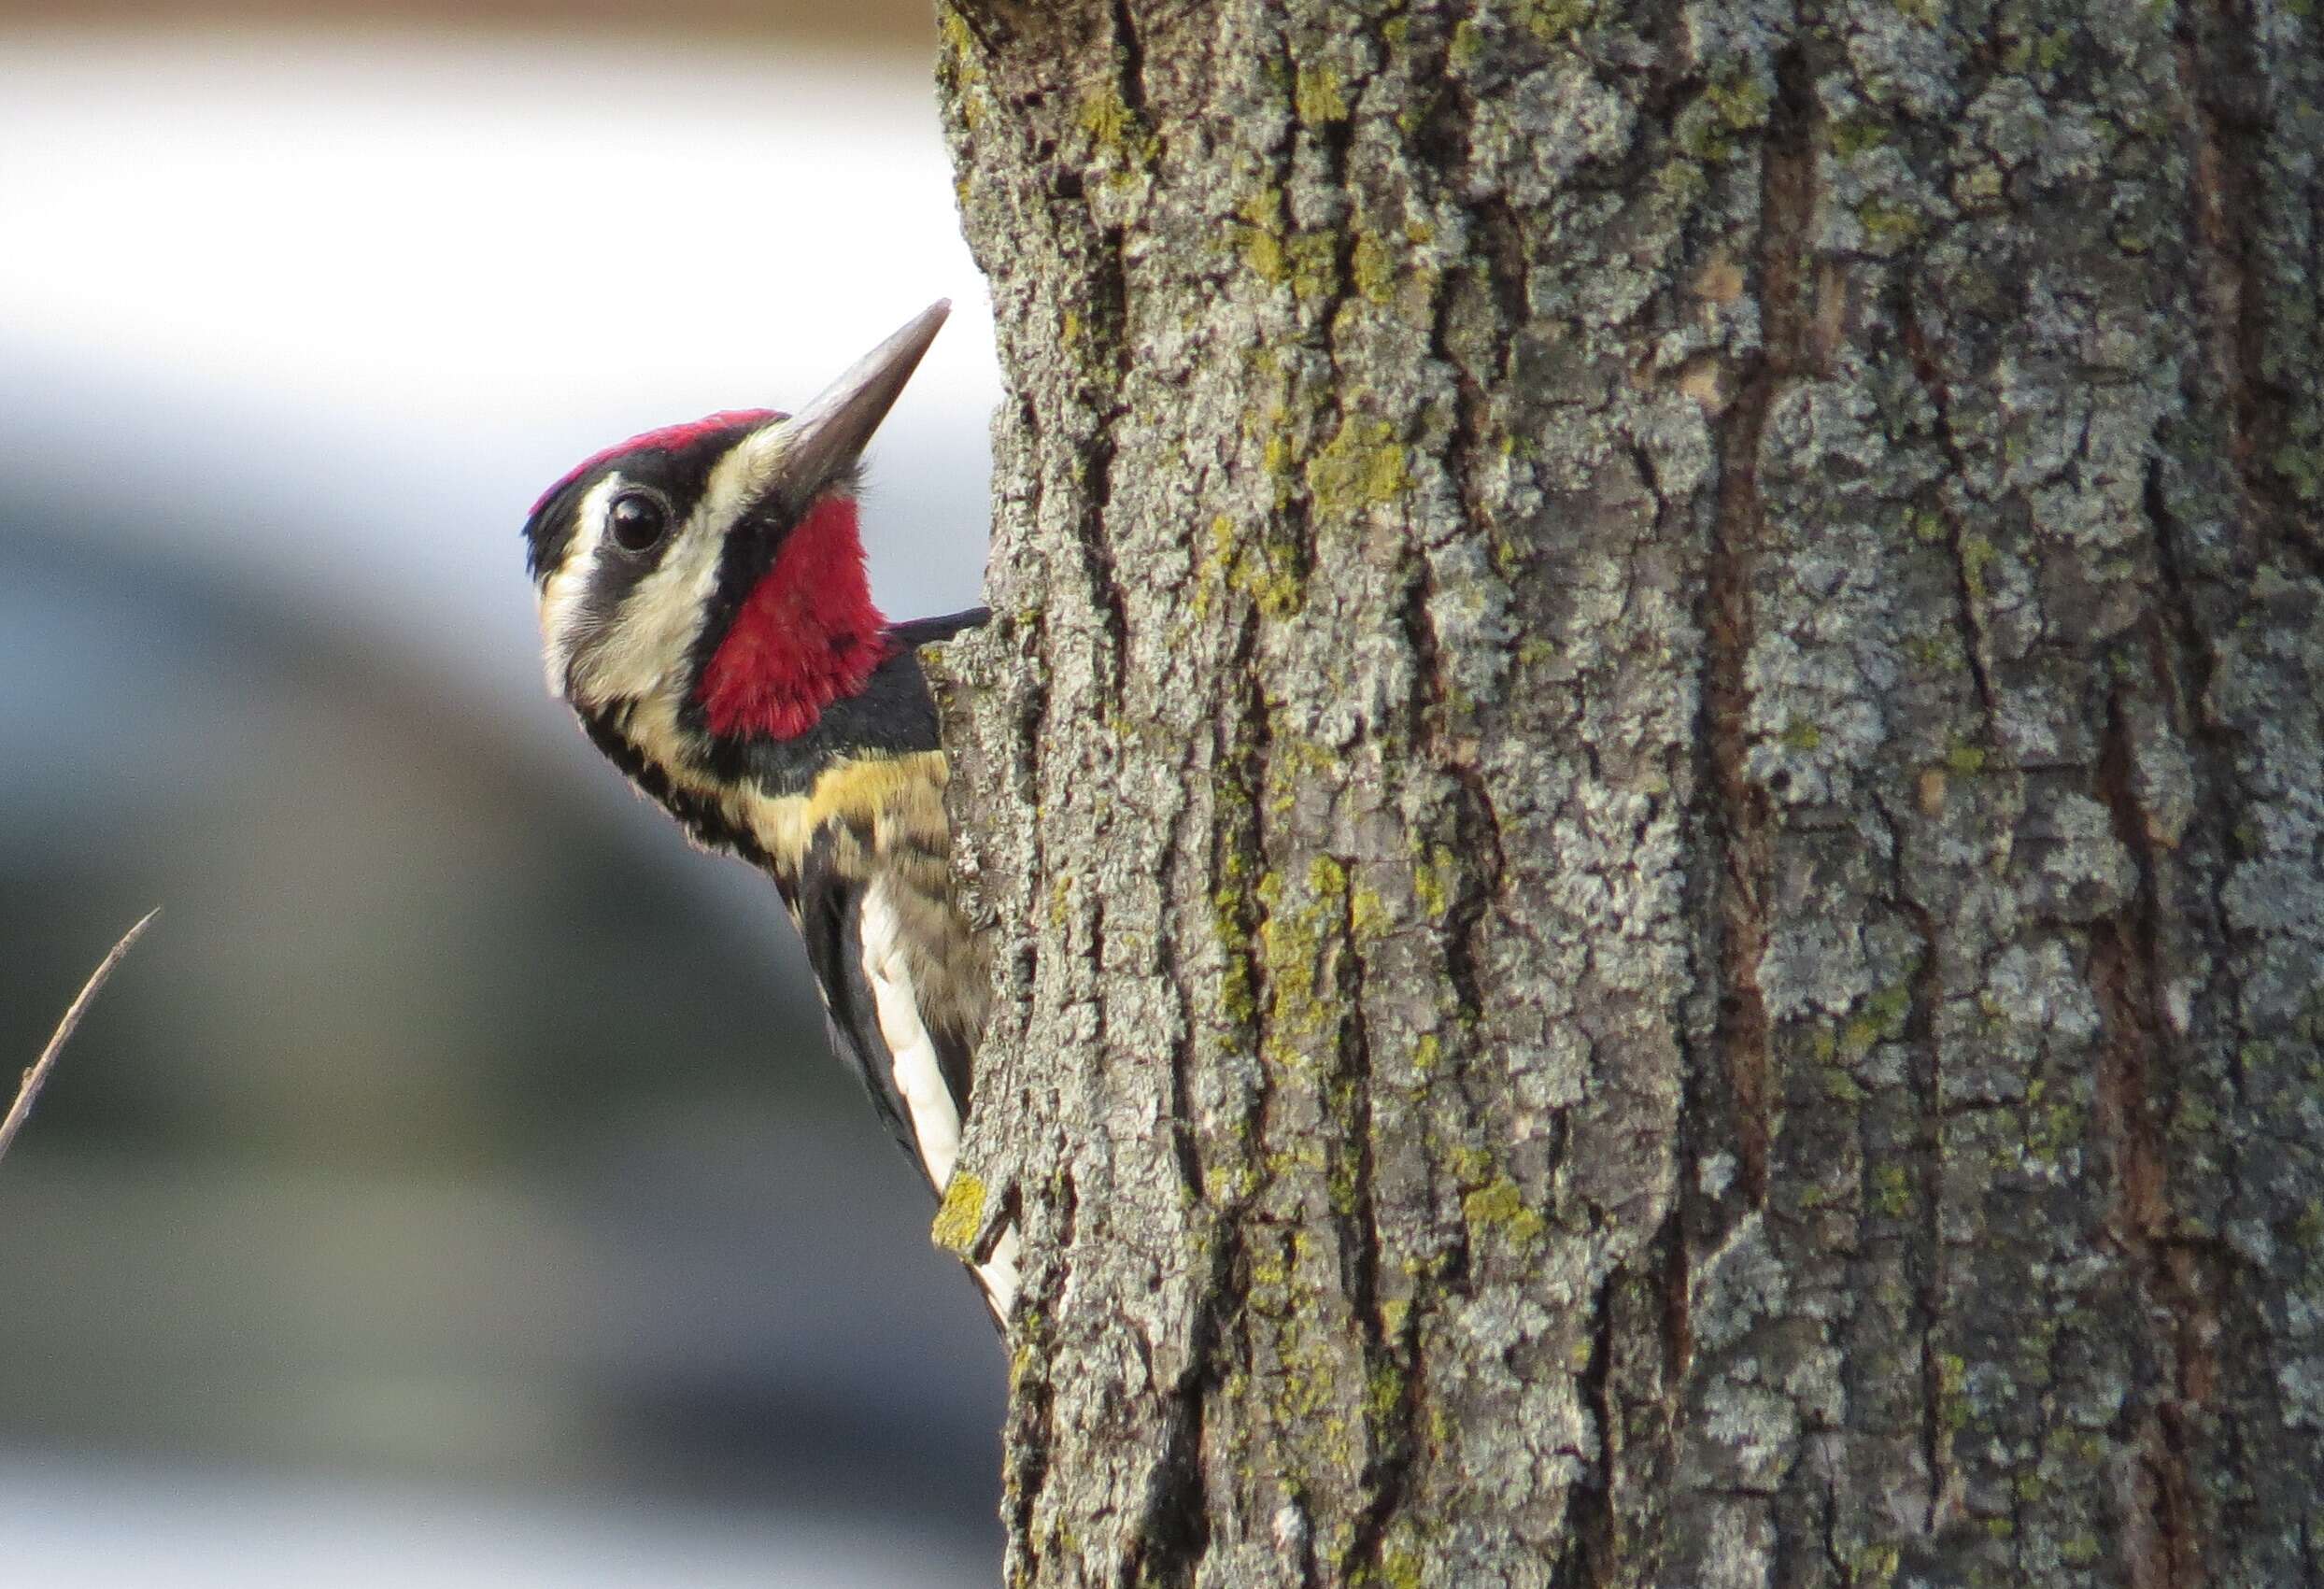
{"type": "Point", "coordinates": [453, 1187]}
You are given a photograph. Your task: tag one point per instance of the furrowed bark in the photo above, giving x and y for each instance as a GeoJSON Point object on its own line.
{"type": "Point", "coordinates": [1650, 776]}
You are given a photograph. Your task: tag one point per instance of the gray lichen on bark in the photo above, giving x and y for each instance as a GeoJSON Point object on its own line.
{"type": "Point", "coordinates": [1651, 776]}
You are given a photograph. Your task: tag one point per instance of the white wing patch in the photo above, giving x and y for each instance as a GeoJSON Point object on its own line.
{"type": "Point", "coordinates": [997, 1274]}
{"type": "Point", "coordinates": [935, 1114]}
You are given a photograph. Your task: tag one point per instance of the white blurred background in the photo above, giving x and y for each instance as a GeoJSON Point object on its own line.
{"type": "Point", "coordinates": [453, 1187]}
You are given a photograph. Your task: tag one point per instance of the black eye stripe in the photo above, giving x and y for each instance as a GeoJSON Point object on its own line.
{"type": "Point", "coordinates": [614, 573]}
{"type": "Point", "coordinates": [612, 582]}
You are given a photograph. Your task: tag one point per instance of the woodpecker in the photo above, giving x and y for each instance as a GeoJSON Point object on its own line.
{"type": "Point", "coordinates": [706, 613]}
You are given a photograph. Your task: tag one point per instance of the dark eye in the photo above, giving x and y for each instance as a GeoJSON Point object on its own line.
{"type": "Point", "coordinates": [638, 521]}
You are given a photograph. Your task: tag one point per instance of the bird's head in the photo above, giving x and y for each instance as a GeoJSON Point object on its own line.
{"type": "Point", "coordinates": [711, 574]}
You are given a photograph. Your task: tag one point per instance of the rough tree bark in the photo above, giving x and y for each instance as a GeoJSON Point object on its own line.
{"type": "Point", "coordinates": [1652, 779]}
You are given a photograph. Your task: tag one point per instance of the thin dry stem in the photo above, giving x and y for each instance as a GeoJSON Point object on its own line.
{"type": "Point", "coordinates": [37, 1076]}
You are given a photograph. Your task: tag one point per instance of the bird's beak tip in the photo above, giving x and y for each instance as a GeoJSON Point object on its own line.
{"type": "Point", "coordinates": [827, 436]}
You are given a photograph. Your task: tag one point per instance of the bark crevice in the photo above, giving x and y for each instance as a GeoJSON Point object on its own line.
{"type": "Point", "coordinates": [2135, 1081]}
{"type": "Point", "coordinates": [1741, 820]}
{"type": "Point", "coordinates": [2228, 133]}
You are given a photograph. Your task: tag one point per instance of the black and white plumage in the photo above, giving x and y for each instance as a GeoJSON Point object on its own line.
{"type": "Point", "coordinates": [704, 611]}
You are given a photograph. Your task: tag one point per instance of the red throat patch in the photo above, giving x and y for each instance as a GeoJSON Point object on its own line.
{"type": "Point", "coordinates": [806, 635]}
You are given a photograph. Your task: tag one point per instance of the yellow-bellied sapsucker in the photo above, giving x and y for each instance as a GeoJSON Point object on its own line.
{"type": "Point", "coordinates": [706, 612]}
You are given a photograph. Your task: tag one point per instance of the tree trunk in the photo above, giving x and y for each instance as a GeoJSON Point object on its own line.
{"type": "Point", "coordinates": [1651, 778]}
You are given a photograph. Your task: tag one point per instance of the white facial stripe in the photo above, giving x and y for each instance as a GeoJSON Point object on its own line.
{"type": "Point", "coordinates": [739, 478]}
{"type": "Point", "coordinates": [919, 1077]}
{"type": "Point", "coordinates": [566, 590]}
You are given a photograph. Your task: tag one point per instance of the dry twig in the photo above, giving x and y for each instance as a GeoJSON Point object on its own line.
{"type": "Point", "coordinates": [29, 1088]}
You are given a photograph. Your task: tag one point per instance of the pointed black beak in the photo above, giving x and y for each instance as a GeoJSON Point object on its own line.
{"type": "Point", "coordinates": [822, 441]}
